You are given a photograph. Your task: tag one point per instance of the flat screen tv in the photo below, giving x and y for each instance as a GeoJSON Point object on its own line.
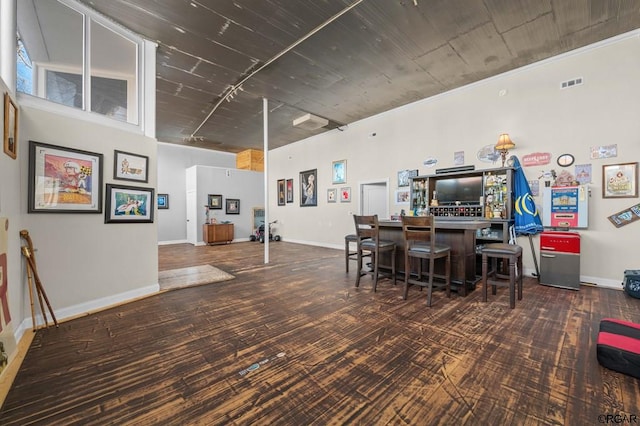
{"type": "Point", "coordinates": [466, 190]}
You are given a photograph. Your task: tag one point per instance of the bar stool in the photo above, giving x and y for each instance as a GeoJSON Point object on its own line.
{"type": "Point", "coordinates": [511, 253]}
{"type": "Point", "coordinates": [348, 254]}
{"type": "Point", "coordinates": [419, 236]}
{"type": "Point", "coordinates": [369, 243]}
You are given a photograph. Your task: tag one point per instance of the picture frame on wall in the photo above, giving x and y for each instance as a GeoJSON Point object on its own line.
{"type": "Point", "coordinates": [289, 190]}
{"type": "Point", "coordinates": [308, 188]}
{"type": "Point", "coordinates": [345, 194]}
{"type": "Point", "coordinates": [214, 201]}
{"type": "Point", "coordinates": [128, 204]}
{"type": "Point", "coordinates": [339, 172]}
{"type": "Point", "coordinates": [281, 192]}
{"type": "Point", "coordinates": [64, 180]}
{"type": "Point", "coordinates": [404, 177]}
{"type": "Point", "coordinates": [233, 206]}
{"type": "Point", "coordinates": [163, 201]}
{"type": "Point", "coordinates": [332, 195]}
{"type": "Point", "coordinates": [620, 180]}
{"type": "Point", "coordinates": [10, 127]}
{"type": "Point", "coordinates": [131, 167]}
{"type": "Point", "coordinates": [402, 196]}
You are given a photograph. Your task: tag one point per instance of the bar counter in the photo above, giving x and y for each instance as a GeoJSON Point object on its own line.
{"type": "Point", "coordinates": [460, 235]}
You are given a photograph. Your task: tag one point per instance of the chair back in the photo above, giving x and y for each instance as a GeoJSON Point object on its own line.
{"type": "Point", "coordinates": [367, 227]}
{"type": "Point", "coordinates": [418, 230]}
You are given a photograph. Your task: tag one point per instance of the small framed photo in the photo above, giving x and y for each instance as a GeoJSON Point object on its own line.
{"type": "Point", "coordinates": [163, 201]}
{"type": "Point", "coordinates": [289, 190]}
{"type": "Point", "coordinates": [128, 204]}
{"type": "Point", "coordinates": [402, 196]}
{"type": "Point", "coordinates": [332, 195]}
{"type": "Point", "coordinates": [64, 180]}
{"type": "Point", "coordinates": [345, 194]}
{"type": "Point", "coordinates": [132, 167]}
{"type": "Point", "coordinates": [308, 188]}
{"type": "Point", "coordinates": [233, 206]}
{"type": "Point", "coordinates": [620, 180]}
{"type": "Point", "coordinates": [281, 194]}
{"type": "Point", "coordinates": [214, 201]}
{"type": "Point", "coordinates": [404, 176]}
{"type": "Point", "coordinates": [339, 172]}
{"type": "Point", "coordinates": [10, 127]}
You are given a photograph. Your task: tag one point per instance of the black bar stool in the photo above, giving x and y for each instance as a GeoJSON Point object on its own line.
{"type": "Point", "coordinates": [511, 253]}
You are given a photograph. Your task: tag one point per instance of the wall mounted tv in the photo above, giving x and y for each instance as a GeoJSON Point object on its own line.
{"type": "Point", "coordinates": [466, 190]}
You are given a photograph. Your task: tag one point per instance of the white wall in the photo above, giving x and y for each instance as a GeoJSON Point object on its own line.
{"type": "Point", "coordinates": [84, 263]}
{"type": "Point", "coordinates": [244, 185]}
{"type": "Point", "coordinates": [539, 118]}
{"type": "Point", "coordinates": [173, 160]}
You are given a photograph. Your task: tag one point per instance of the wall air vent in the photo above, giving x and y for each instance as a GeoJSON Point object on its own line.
{"type": "Point", "coordinates": [310, 122]}
{"type": "Point", "coordinates": [571, 83]}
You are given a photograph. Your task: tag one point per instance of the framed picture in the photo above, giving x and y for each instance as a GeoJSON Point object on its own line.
{"type": "Point", "coordinates": [132, 167]}
{"type": "Point", "coordinates": [10, 127]}
{"type": "Point", "coordinates": [64, 180]}
{"type": "Point", "coordinates": [404, 176]}
{"type": "Point", "coordinates": [128, 204]}
{"type": "Point", "coordinates": [281, 194]}
{"type": "Point", "coordinates": [163, 201]}
{"type": "Point", "coordinates": [339, 172]}
{"type": "Point", "coordinates": [233, 206]}
{"type": "Point", "coordinates": [345, 194]}
{"type": "Point", "coordinates": [214, 201]}
{"type": "Point", "coordinates": [620, 180]}
{"type": "Point", "coordinates": [289, 190]}
{"type": "Point", "coordinates": [332, 195]}
{"type": "Point", "coordinates": [402, 196]}
{"type": "Point", "coordinates": [128, 166]}
{"type": "Point", "coordinates": [308, 188]}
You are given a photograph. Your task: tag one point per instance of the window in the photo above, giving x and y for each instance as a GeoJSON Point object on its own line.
{"type": "Point", "coordinates": [54, 63]}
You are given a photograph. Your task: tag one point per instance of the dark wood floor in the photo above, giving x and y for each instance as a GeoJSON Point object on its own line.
{"type": "Point", "coordinates": [294, 343]}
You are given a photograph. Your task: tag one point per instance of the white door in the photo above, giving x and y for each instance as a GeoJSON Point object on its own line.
{"type": "Point", "coordinates": [192, 217]}
{"type": "Point", "coordinates": [374, 199]}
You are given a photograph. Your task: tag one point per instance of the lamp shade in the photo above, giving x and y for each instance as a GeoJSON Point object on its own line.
{"type": "Point", "coordinates": [504, 143]}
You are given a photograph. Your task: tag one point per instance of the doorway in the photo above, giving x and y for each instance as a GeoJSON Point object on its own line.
{"type": "Point", "coordinates": [374, 198]}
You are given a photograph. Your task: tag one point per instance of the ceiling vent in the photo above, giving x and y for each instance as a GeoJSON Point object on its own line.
{"type": "Point", "coordinates": [571, 83]}
{"type": "Point", "coordinates": [310, 122]}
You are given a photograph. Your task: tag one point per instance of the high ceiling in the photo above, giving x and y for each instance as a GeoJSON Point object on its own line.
{"type": "Point", "coordinates": [304, 58]}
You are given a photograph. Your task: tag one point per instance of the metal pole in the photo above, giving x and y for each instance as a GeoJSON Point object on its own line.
{"type": "Point", "coordinates": [535, 259]}
{"type": "Point", "coordinates": [265, 125]}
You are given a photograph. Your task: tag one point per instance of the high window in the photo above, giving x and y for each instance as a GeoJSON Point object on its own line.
{"type": "Point", "coordinates": [71, 56]}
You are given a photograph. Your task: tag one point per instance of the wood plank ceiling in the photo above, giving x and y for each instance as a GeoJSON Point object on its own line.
{"type": "Point", "coordinates": [379, 55]}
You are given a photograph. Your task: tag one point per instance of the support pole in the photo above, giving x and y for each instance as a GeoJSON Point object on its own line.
{"type": "Point", "coordinates": [265, 125]}
{"type": "Point", "coordinates": [535, 259]}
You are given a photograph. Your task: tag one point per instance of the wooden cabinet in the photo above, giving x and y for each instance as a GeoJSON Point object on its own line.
{"type": "Point", "coordinates": [468, 195]}
{"type": "Point", "coordinates": [217, 233]}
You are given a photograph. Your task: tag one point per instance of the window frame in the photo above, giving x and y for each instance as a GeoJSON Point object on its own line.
{"type": "Point", "coordinates": [141, 120]}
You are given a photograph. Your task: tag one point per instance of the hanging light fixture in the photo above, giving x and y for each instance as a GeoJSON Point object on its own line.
{"type": "Point", "coordinates": [504, 145]}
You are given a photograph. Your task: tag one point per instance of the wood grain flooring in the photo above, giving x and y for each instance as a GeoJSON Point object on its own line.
{"type": "Point", "coordinates": [294, 342]}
